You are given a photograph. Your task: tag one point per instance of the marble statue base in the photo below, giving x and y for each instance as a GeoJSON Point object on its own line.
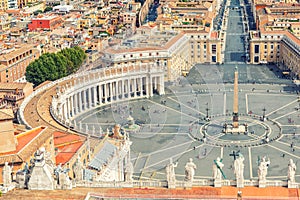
{"type": "Point", "coordinates": [292, 184]}
{"type": "Point", "coordinates": [262, 184]}
{"type": "Point", "coordinates": [217, 183]}
{"type": "Point", "coordinates": [240, 183]}
{"type": "Point", "coordinates": [171, 185]}
{"type": "Point", "coordinates": [188, 184]}
{"type": "Point", "coordinates": [240, 129]}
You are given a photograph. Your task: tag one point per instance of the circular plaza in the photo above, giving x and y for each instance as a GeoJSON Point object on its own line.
{"type": "Point", "coordinates": [188, 122]}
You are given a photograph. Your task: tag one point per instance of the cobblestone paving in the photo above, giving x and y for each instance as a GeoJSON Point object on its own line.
{"type": "Point", "coordinates": [170, 124]}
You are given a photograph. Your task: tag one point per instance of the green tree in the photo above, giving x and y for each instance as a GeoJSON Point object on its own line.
{"type": "Point", "coordinates": [52, 66]}
{"type": "Point", "coordinates": [48, 9]}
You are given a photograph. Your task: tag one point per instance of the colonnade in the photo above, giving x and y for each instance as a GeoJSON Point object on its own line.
{"type": "Point", "coordinates": [93, 90]}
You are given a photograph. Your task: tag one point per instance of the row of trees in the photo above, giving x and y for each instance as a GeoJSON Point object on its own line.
{"type": "Point", "coordinates": [52, 66]}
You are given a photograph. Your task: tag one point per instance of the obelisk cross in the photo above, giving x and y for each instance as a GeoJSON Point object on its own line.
{"type": "Point", "coordinates": [235, 117]}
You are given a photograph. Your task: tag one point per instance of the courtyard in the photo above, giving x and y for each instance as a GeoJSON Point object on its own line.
{"type": "Point", "coordinates": [171, 125]}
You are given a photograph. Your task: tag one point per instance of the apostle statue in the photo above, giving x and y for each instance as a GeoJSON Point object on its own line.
{"type": "Point", "coordinates": [7, 170]}
{"type": "Point", "coordinates": [190, 168]}
{"type": "Point", "coordinates": [291, 170]}
{"type": "Point", "coordinates": [263, 169]}
{"type": "Point", "coordinates": [239, 167]}
{"type": "Point", "coordinates": [170, 170]}
{"type": "Point", "coordinates": [78, 170]}
{"type": "Point", "coordinates": [129, 172]}
{"type": "Point", "coordinates": [217, 169]}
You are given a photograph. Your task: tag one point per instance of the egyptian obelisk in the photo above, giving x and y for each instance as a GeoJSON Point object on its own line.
{"type": "Point", "coordinates": [235, 117]}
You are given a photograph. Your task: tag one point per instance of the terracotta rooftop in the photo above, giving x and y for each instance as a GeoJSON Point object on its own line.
{"type": "Point", "coordinates": [13, 86]}
{"type": "Point", "coordinates": [28, 142]}
{"type": "Point", "coordinates": [16, 52]}
{"type": "Point", "coordinates": [67, 145]}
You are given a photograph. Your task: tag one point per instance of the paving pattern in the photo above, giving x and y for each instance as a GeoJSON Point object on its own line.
{"type": "Point", "coordinates": [171, 124]}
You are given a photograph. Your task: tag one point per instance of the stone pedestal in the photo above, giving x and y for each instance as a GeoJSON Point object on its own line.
{"type": "Point", "coordinates": [188, 184]}
{"type": "Point", "coordinates": [292, 184]}
{"type": "Point", "coordinates": [262, 183]}
{"type": "Point", "coordinates": [217, 183]}
{"type": "Point", "coordinates": [172, 185]}
{"type": "Point", "coordinates": [240, 183]}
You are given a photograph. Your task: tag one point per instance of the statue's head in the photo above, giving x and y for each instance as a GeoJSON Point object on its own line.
{"type": "Point", "coordinates": [291, 161]}
{"type": "Point", "coordinates": [191, 159]}
{"type": "Point", "coordinates": [218, 159]}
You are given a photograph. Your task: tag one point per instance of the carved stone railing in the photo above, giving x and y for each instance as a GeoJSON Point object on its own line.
{"type": "Point", "coordinates": [181, 184]}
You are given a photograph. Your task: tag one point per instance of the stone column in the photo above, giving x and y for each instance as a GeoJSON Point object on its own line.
{"type": "Point", "coordinates": [117, 90]}
{"type": "Point", "coordinates": [76, 103]}
{"type": "Point", "coordinates": [122, 89]}
{"type": "Point", "coordinates": [105, 93]}
{"type": "Point", "coordinates": [65, 111]}
{"type": "Point", "coordinates": [90, 96]}
{"type": "Point", "coordinates": [134, 87]}
{"type": "Point", "coordinates": [141, 86]}
{"type": "Point", "coordinates": [95, 95]}
{"type": "Point", "coordinates": [72, 105]}
{"type": "Point", "coordinates": [80, 101]}
{"type": "Point", "coordinates": [84, 100]}
{"type": "Point", "coordinates": [128, 87]}
{"type": "Point", "coordinates": [162, 85]}
{"type": "Point", "coordinates": [111, 91]}
{"type": "Point", "coordinates": [100, 94]}
{"type": "Point", "coordinates": [147, 86]}
{"type": "Point", "coordinates": [68, 107]}
{"type": "Point", "coordinates": [150, 86]}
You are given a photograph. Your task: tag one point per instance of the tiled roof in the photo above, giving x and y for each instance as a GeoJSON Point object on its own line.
{"type": "Point", "coordinates": [13, 86]}
{"type": "Point", "coordinates": [67, 152]}
{"type": "Point", "coordinates": [16, 52]}
{"type": "Point", "coordinates": [28, 142]}
{"type": "Point", "coordinates": [67, 145]}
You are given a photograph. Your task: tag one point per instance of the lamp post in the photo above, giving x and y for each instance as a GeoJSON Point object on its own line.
{"type": "Point", "coordinates": [207, 109]}
{"type": "Point", "coordinates": [264, 114]}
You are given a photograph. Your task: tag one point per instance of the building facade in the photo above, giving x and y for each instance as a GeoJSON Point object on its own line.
{"type": "Point", "coordinates": [175, 52]}
{"type": "Point", "coordinates": [45, 23]}
{"type": "Point", "coordinates": [265, 47]}
{"type": "Point", "coordinates": [290, 55]}
{"type": "Point", "coordinates": [13, 64]}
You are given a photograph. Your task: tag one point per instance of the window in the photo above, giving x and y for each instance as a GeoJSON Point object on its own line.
{"type": "Point", "coordinates": [256, 58]}
{"type": "Point", "coordinates": [256, 48]}
{"type": "Point", "coordinates": [214, 59]}
{"type": "Point", "coordinates": [213, 48]}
